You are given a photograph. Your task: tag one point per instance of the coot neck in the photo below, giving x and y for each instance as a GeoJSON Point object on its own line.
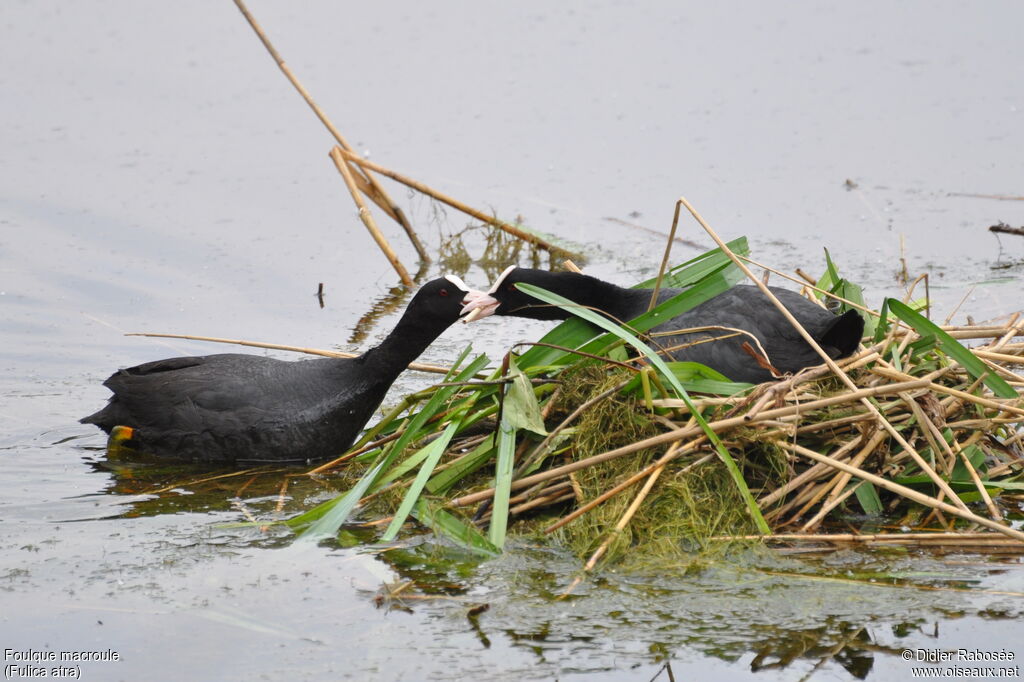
{"type": "Point", "coordinates": [404, 344]}
{"type": "Point", "coordinates": [619, 303]}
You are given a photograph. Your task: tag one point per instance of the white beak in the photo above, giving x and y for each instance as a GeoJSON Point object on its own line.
{"type": "Point", "coordinates": [478, 305]}
{"type": "Point", "coordinates": [475, 304]}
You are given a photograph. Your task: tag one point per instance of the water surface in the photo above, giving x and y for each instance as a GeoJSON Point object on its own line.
{"type": "Point", "coordinates": [159, 174]}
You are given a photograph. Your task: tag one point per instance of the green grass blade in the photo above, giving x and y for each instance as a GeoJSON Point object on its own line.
{"type": "Point", "coordinates": [336, 511]}
{"type": "Point", "coordinates": [461, 413]}
{"type": "Point", "coordinates": [882, 325]}
{"type": "Point", "coordinates": [390, 421]}
{"type": "Point", "coordinates": [433, 406]}
{"type": "Point", "coordinates": [433, 453]}
{"type": "Point", "coordinates": [458, 362]}
{"type": "Point", "coordinates": [868, 498]}
{"type": "Point", "coordinates": [831, 275]}
{"type": "Point", "coordinates": [575, 333]}
{"type": "Point", "coordinates": [502, 483]}
{"type": "Point", "coordinates": [974, 454]}
{"type": "Point", "coordinates": [953, 348]}
{"type": "Point", "coordinates": [695, 378]}
{"type": "Point", "coordinates": [447, 524]}
{"type": "Point", "coordinates": [520, 408]}
{"type": "Point", "coordinates": [832, 282]}
{"type": "Point", "coordinates": [462, 467]}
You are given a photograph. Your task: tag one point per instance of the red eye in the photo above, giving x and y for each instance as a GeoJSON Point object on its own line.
{"type": "Point", "coordinates": [443, 292]}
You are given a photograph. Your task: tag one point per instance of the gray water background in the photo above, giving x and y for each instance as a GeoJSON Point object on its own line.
{"type": "Point", "coordinates": [159, 174]}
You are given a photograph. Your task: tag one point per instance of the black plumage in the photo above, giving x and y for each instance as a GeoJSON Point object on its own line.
{"type": "Point", "coordinates": [742, 307]}
{"type": "Point", "coordinates": [236, 409]}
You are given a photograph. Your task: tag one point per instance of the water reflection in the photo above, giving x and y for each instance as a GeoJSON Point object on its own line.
{"type": "Point", "coordinates": [762, 611]}
{"type": "Point", "coordinates": [151, 487]}
{"type": "Point", "coordinates": [391, 301]}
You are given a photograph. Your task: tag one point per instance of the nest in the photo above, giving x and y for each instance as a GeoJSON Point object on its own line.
{"type": "Point", "coordinates": [615, 457]}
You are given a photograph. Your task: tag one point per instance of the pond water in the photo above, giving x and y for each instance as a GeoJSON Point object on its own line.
{"type": "Point", "coordinates": [160, 175]}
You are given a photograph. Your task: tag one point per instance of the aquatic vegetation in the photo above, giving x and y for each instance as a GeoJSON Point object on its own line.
{"type": "Point", "coordinates": [589, 437]}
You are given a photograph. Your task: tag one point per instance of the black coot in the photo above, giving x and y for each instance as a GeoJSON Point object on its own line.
{"type": "Point", "coordinates": [238, 409]}
{"type": "Point", "coordinates": [742, 307]}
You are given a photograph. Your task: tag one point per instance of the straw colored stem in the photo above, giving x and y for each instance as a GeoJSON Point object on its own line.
{"type": "Point", "coordinates": [1007, 374]}
{"type": "Point", "coordinates": [834, 502]}
{"type": "Point", "coordinates": [454, 203]}
{"type": "Point", "coordinates": [544, 491]}
{"type": "Point", "coordinates": [864, 357]}
{"type": "Point", "coordinates": [418, 366]}
{"type": "Point", "coordinates": [812, 473]}
{"type": "Point", "coordinates": [670, 437]}
{"type": "Point", "coordinates": [327, 466]}
{"type": "Point", "coordinates": [375, 191]}
{"type": "Point", "coordinates": [835, 423]}
{"type": "Point", "coordinates": [928, 430]}
{"type": "Point", "coordinates": [807, 282]}
{"type": "Point", "coordinates": [837, 495]}
{"type": "Point", "coordinates": [542, 501]}
{"type": "Point", "coordinates": [997, 404]}
{"type": "Point", "coordinates": [906, 492]}
{"type": "Point", "coordinates": [896, 538]}
{"type": "Point", "coordinates": [367, 217]}
{"type": "Point", "coordinates": [858, 394]}
{"type": "Point", "coordinates": [993, 510]}
{"type": "Point", "coordinates": [805, 498]}
{"type": "Point", "coordinates": [1014, 328]}
{"type": "Point", "coordinates": [664, 260]}
{"type": "Point", "coordinates": [196, 481]}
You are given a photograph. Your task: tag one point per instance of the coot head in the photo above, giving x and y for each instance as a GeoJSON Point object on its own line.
{"type": "Point", "coordinates": [447, 298]}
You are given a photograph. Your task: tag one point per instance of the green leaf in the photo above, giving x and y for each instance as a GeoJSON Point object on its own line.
{"type": "Point", "coordinates": [951, 347]}
{"type": "Point", "coordinates": [433, 453]}
{"type": "Point", "coordinates": [699, 267]}
{"type": "Point", "coordinates": [502, 483]}
{"type": "Point", "coordinates": [695, 378]}
{"type": "Point", "coordinates": [520, 409]}
{"type": "Point", "coordinates": [463, 466]}
{"type": "Point", "coordinates": [882, 324]}
{"type": "Point", "coordinates": [959, 485]}
{"type": "Point", "coordinates": [433, 406]}
{"type": "Point", "coordinates": [868, 498]}
{"type": "Point", "coordinates": [334, 512]}
{"type": "Point", "coordinates": [974, 454]}
{"type": "Point", "coordinates": [447, 524]}
{"type": "Point", "coordinates": [831, 278]}
{"type": "Point", "coordinates": [832, 282]}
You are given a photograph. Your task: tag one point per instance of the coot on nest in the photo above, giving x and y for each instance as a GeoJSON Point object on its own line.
{"type": "Point", "coordinates": [237, 409]}
{"type": "Point", "coordinates": [743, 307]}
